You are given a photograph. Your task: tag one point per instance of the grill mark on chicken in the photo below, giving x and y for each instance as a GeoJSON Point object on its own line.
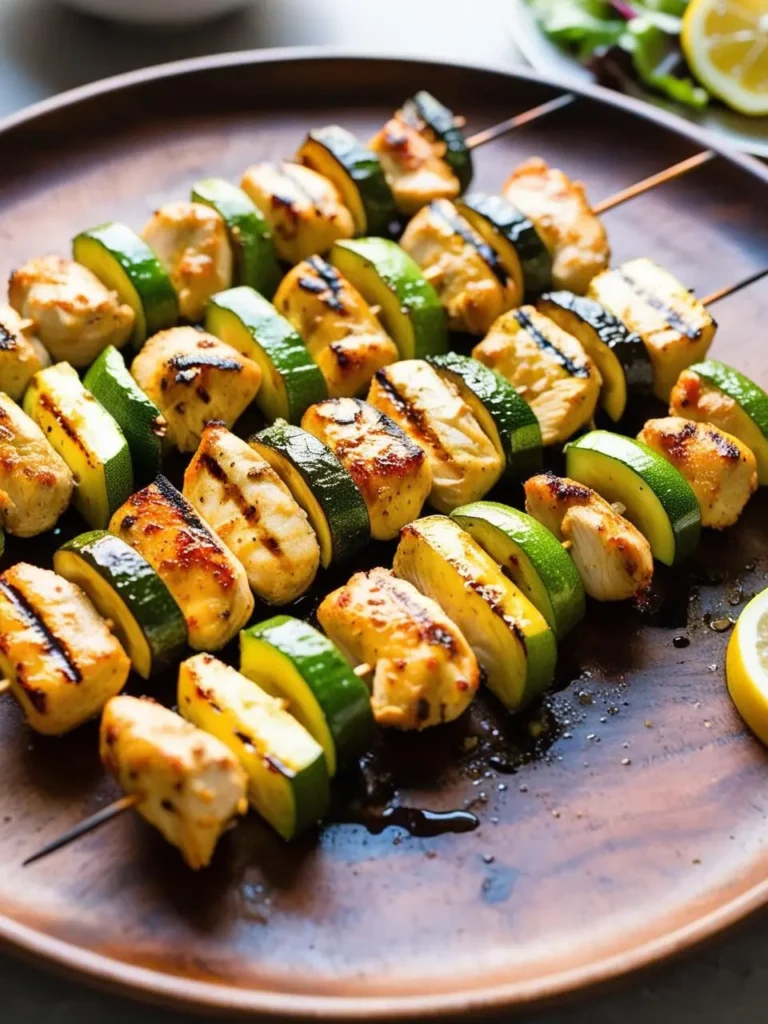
{"type": "Point", "coordinates": [465, 232]}
{"type": "Point", "coordinates": [429, 631]}
{"type": "Point", "coordinates": [725, 448]}
{"type": "Point", "coordinates": [231, 491]}
{"type": "Point", "coordinates": [183, 364]}
{"type": "Point", "coordinates": [330, 280]}
{"type": "Point", "coordinates": [51, 644]}
{"type": "Point", "coordinates": [574, 369]}
{"type": "Point", "coordinates": [671, 316]}
{"type": "Point", "coordinates": [566, 490]}
{"type": "Point", "coordinates": [414, 416]}
{"type": "Point", "coordinates": [8, 342]}
{"type": "Point", "coordinates": [300, 185]}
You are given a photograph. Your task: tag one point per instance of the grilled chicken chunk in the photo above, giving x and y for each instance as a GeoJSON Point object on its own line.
{"type": "Point", "coordinates": [194, 378]}
{"type": "Point", "coordinates": [191, 787]}
{"type": "Point", "coordinates": [472, 284]}
{"type": "Point", "coordinates": [35, 482]}
{"type": "Point", "coordinates": [413, 165]}
{"type": "Point", "coordinates": [254, 513]}
{"type": "Point", "coordinates": [336, 323]}
{"type": "Point", "coordinates": [304, 209]}
{"type": "Point", "coordinates": [464, 462]}
{"type": "Point", "coordinates": [721, 469]}
{"type": "Point", "coordinates": [613, 558]}
{"type": "Point", "coordinates": [424, 670]}
{"type": "Point", "coordinates": [392, 473]}
{"type": "Point", "coordinates": [62, 662]}
{"type": "Point", "coordinates": [676, 328]}
{"type": "Point", "coordinates": [191, 242]}
{"type": "Point", "coordinates": [548, 367]}
{"type": "Point", "coordinates": [204, 577]}
{"type": "Point", "coordinates": [73, 314]}
{"type": "Point", "coordinates": [561, 214]}
{"type": "Point", "coordinates": [22, 354]}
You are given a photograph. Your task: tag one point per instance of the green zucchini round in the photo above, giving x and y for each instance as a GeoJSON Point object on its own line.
{"type": "Point", "coordinates": [503, 414]}
{"type": "Point", "coordinates": [290, 659]}
{"type": "Point", "coordinates": [441, 122]}
{"type": "Point", "coordinates": [248, 322]}
{"type": "Point", "coordinates": [513, 237]}
{"type": "Point", "coordinates": [249, 235]}
{"type": "Point", "coordinates": [125, 263]}
{"type": "Point", "coordinates": [356, 172]}
{"type": "Point", "coordinates": [657, 497]}
{"type": "Point", "coordinates": [125, 589]}
{"type": "Point", "coordinates": [532, 557]}
{"type": "Point", "coordinates": [320, 484]}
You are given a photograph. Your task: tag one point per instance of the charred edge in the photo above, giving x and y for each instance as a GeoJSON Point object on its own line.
{"type": "Point", "coordinates": [180, 505]}
{"type": "Point", "coordinates": [609, 329]}
{"type": "Point", "coordinates": [52, 644]}
{"type": "Point", "coordinates": [676, 442]}
{"type": "Point", "coordinates": [8, 342]}
{"type": "Point", "coordinates": [414, 416]}
{"type": "Point", "coordinates": [388, 426]}
{"type": "Point", "coordinates": [331, 280]}
{"type": "Point", "coordinates": [184, 363]}
{"type": "Point", "coordinates": [50, 406]}
{"type": "Point", "coordinates": [231, 489]}
{"type": "Point", "coordinates": [488, 596]}
{"type": "Point", "coordinates": [459, 226]}
{"type": "Point", "coordinates": [335, 409]}
{"type": "Point", "coordinates": [671, 316]}
{"type": "Point", "coordinates": [430, 631]}
{"type": "Point", "coordinates": [245, 739]}
{"type": "Point", "coordinates": [725, 449]}
{"type": "Point", "coordinates": [566, 490]}
{"type": "Point", "coordinates": [574, 369]}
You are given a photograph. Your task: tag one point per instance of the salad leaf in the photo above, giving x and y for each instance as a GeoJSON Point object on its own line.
{"type": "Point", "coordinates": [646, 31]}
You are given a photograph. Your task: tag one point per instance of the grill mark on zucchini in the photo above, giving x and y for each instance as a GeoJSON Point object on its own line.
{"type": "Point", "coordinates": [465, 232]}
{"type": "Point", "coordinates": [414, 416]}
{"type": "Point", "coordinates": [53, 646]}
{"type": "Point", "coordinates": [574, 369]}
{"type": "Point", "coordinates": [331, 281]}
{"type": "Point", "coordinates": [50, 406]}
{"type": "Point", "coordinates": [671, 316]}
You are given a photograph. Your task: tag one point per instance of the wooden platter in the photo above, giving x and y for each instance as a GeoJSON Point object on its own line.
{"type": "Point", "coordinates": [623, 821]}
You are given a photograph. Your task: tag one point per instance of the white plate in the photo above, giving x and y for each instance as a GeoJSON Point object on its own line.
{"type": "Point", "coordinates": [746, 133]}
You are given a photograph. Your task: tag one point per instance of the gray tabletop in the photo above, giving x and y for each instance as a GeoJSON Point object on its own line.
{"type": "Point", "coordinates": [45, 48]}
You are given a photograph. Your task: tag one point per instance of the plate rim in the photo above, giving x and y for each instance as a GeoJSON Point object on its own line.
{"type": "Point", "coordinates": [205, 996]}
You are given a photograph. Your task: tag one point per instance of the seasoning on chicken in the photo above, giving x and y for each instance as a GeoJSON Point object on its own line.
{"type": "Point", "coordinates": [465, 271]}
{"type": "Point", "coordinates": [61, 660]}
{"type": "Point", "coordinates": [74, 315]}
{"type": "Point", "coordinates": [303, 209]}
{"type": "Point", "coordinates": [721, 469]}
{"type": "Point", "coordinates": [413, 163]}
{"type": "Point", "coordinates": [676, 328]}
{"type": "Point", "coordinates": [35, 482]}
{"type": "Point", "coordinates": [205, 579]}
{"type": "Point", "coordinates": [549, 368]}
{"type": "Point", "coordinates": [191, 242]}
{"type": "Point", "coordinates": [254, 513]}
{"type": "Point", "coordinates": [391, 472]}
{"type": "Point", "coordinates": [464, 462]}
{"type": "Point", "coordinates": [190, 786]}
{"type": "Point", "coordinates": [561, 214]}
{"type": "Point", "coordinates": [424, 670]}
{"type": "Point", "coordinates": [336, 324]}
{"type": "Point", "coordinates": [194, 378]}
{"type": "Point", "coordinates": [22, 354]}
{"type": "Point", "coordinates": [613, 558]}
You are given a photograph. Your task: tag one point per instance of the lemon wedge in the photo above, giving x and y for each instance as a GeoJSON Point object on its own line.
{"type": "Point", "coordinates": [746, 665]}
{"type": "Point", "coordinates": [726, 44]}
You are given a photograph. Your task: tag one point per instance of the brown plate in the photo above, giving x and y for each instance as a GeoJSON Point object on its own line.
{"type": "Point", "coordinates": [619, 823]}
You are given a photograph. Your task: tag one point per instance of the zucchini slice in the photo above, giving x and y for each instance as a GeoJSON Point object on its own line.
{"type": "Point", "coordinates": [356, 172]}
{"type": "Point", "coordinates": [88, 439]}
{"type": "Point", "coordinates": [510, 637]}
{"type": "Point", "coordinates": [532, 557]}
{"type": "Point", "coordinates": [249, 235]}
{"type": "Point", "coordinates": [715, 393]}
{"type": "Point", "coordinates": [620, 354]}
{"type": "Point", "coordinates": [657, 497]}
{"type": "Point", "coordinates": [290, 659]}
{"type": "Point", "coordinates": [320, 484]}
{"type": "Point", "coordinates": [291, 381]}
{"type": "Point", "coordinates": [288, 780]}
{"type": "Point", "coordinates": [513, 238]}
{"type": "Point", "coordinates": [126, 590]}
{"type": "Point", "coordinates": [424, 110]}
{"type": "Point", "coordinates": [136, 414]}
{"type": "Point", "coordinates": [124, 262]}
{"type": "Point", "coordinates": [386, 276]}
{"type": "Point", "coordinates": [500, 410]}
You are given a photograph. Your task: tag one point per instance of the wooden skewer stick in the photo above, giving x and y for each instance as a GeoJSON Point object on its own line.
{"type": "Point", "coordinates": [497, 130]}
{"type": "Point", "coordinates": [670, 174]}
{"type": "Point", "coordinates": [363, 670]}
{"type": "Point", "coordinates": [731, 289]}
{"type": "Point", "coordinates": [5, 685]}
{"type": "Point", "coordinates": [94, 821]}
